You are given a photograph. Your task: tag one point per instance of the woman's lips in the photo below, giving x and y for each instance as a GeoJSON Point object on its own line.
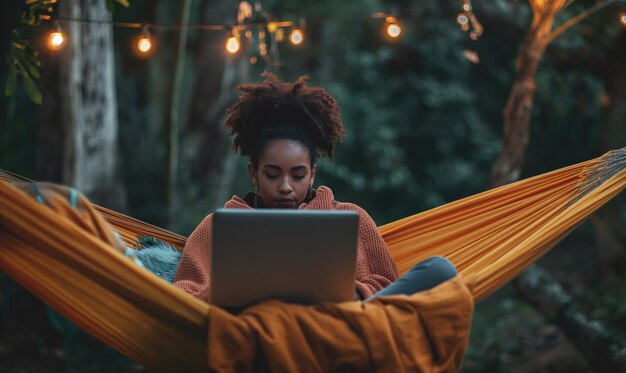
{"type": "Point", "coordinates": [286, 202]}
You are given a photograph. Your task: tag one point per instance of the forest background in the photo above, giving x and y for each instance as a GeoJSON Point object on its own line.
{"type": "Point", "coordinates": [424, 121]}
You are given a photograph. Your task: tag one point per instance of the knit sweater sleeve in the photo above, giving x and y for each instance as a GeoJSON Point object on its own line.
{"type": "Point", "coordinates": [376, 268]}
{"type": "Point", "coordinates": [193, 272]}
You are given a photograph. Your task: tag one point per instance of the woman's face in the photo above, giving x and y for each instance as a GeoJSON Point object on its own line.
{"type": "Point", "coordinates": [284, 174]}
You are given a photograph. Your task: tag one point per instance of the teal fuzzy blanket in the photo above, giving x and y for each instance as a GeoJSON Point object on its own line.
{"type": "Point", "coordinates": [158, 257]}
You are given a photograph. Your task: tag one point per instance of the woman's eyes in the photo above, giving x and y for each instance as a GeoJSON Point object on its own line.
{"type": "Point", "coordinates": [272, 176]}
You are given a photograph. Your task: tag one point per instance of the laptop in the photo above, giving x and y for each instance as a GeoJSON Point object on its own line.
{"type": "Point", "coordinates": [297, 256]}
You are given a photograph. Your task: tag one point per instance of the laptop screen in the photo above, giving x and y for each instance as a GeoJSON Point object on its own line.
{"type": "Point", "coordinates": [301, 256]}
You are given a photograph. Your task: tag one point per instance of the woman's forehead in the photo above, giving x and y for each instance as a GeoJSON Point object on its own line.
{"type": "Point", "coordinates": [285, 153]}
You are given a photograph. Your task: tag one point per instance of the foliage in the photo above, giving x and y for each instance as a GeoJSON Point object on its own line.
{"type": "Point", "coordinates": [22, 59]}
{"type": "Point", "coordinates": [24, 64]}
{"type": "Point", "coordinates": [111, 4]}
{"type": "Point", "coordinates": [608, 305]}
{"type": "Point", "coordinates": [507, 334]}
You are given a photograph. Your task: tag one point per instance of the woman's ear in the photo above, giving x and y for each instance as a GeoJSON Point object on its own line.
{"type": "Point", "coordinates": [313, 170]}
{"type": "Point", "coordinates": [253, 173]}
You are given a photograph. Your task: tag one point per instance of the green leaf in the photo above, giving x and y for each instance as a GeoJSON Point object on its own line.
{"type": "Point", "coordinates": [27, 63]}
{"type": "Point", "coordinates": [31, 68]}
{"type": "Point", "coordinates": [111, 4]}
{"type": "Point", "coordinates": [19, 45]}
{"type": "Point", "coordinates": [9, 87]}
{"type": "Point", "coordinates": [31, 88]}
{"type": "Point", "coordinates": [25, 58]}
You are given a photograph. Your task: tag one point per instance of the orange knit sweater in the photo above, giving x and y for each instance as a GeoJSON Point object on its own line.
{"type": "Point", "coordinates": [375, 268]}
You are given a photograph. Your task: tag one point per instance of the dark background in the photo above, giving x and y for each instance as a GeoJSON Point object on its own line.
{"type": "Point", "coordinates": [424, 127]}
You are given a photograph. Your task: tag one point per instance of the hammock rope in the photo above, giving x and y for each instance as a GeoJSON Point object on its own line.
{"type": "Point", "coordinates": [491, 236]}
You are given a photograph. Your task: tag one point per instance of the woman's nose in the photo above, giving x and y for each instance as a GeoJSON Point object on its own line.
{"type": "Point", "coordinates": [285, 187]}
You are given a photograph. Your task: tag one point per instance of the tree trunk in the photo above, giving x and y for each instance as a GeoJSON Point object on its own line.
{"type": "Point", "coordinates": [89, 105]}
{"type": "Point", "coordinates": [600, 347]}
{"type": "Point", "coordinates": [518, 110]}
{"type": "Point", "coordinates": [207, 147]}
{"type": "Point", "coordinates": [534, 284]}
{"type": "Point", "coordinates": [172, 126]}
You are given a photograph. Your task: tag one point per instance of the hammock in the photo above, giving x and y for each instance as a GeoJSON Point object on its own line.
{"type": "Point", "coordinates": [490, 237]}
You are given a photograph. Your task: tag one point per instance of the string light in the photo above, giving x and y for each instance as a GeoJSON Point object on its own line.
{"type": "Point", "coordinates": [56, 39]}
{"type": "Point", "coordinates": [144, 42]}
{"type": "Point", "coordinates": [232, 44]}
{"type": "Point", "coordinates": [463, 21]}
{"type": "Point", "coordinates": [392, 27]}
{"type": "Point", "coordinates": [467, 20]}
{"type": "Point", "coordinates": [262, 44]}
{"type": "Point", "coordinates": [622, 18]}
{"type": "Point", "coordinates": [471, 56]}
{"type": "Point", "coordinates": [272, 26]}
{"type": "Point", "coordinates": [296, 36]}
{"type": "Point", "coordinates": [280, 34]}
{"type": "Point", "coordinates": [245, 11]}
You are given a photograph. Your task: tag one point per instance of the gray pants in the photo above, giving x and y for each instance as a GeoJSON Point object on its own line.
{"type": "Point", "coordinates": [423, 276]}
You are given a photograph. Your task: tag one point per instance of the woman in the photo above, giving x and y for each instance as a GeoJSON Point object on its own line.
{"type": "Point", "coordinates": [284, 128]}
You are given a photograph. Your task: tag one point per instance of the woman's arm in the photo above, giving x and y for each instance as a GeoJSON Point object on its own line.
{"type": "Point", "coordinates": [193, 272]}
{"type": "Point", "coordinates": [376, 268]}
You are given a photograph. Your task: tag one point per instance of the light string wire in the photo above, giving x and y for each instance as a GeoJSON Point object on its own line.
{"type": "Point", "coordinates": [393, 27]}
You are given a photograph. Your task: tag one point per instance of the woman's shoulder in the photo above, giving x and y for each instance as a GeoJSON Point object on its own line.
{"type": "Point", "coordinates": [205, 226]}
{"type": "Point", "coordinates": [237, 202]}
{"type": "Point", "coordinates": [326, 196]}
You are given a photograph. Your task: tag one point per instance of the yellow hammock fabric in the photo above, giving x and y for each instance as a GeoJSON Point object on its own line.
{"type": "Point", "coordinates": [491, 237]}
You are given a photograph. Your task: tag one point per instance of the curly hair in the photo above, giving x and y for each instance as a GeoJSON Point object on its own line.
{"type": "Point", "coordinates": [280, 110]}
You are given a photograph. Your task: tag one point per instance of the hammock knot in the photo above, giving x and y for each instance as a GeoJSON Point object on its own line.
{"type": "Point", "coordinates": [605, 167]}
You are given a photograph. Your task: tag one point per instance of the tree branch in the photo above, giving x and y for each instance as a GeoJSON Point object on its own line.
{"type": "Point", "coordinates": [575, 20]}
{"type": "Point", "coordinates": [601, 347]}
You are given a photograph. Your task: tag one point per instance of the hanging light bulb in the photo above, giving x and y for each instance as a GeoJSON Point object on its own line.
{"type": "Point", "coordinates": [392, 27]}
{"type": "Point", "coordinates": [463, 21]}
{"type": "Point", "coordinates": [622, 18]}
{"type": "Point", "coordinates": [296, 36]}
{"type": "Point", "coordinates": [144, 42]}
{"type": "Point", "coordinates": [280, 34]}
{"type": "Point", "coordinates": [232, 44]}
{"type": "Point", "coordinates": [56, 39]}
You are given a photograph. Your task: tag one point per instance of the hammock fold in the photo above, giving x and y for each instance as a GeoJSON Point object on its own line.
{"type": "Point", "coordinates": [491, 237]}
{"type": "Point", "coordinates": [498, 233]}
